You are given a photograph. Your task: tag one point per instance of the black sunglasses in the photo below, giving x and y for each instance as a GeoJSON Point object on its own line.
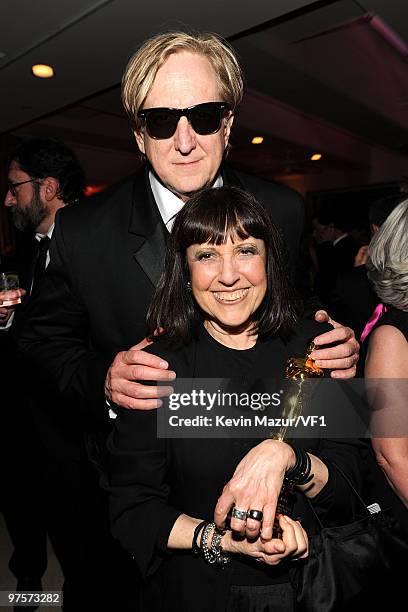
{"type": "Point", "coordinates": [204, 118]}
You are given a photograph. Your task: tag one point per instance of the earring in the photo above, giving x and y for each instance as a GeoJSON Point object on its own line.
{"type": "Point", "coordinates": [188, 285]}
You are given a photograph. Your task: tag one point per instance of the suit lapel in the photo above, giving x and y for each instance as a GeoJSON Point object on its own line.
{"type": "Point", "coordinates": [230, 178]}
{"type": "Point", "coordinates": [146, 222]}
{"type": "Point", "coordinates": [150, 255]}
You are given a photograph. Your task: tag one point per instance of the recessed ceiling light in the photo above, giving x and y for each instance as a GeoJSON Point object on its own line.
{"type": "Point", "coordinates": [257, 140]}
{"type": "Point", "coordinates": [42, 71]}
{"type": "Point", "coordinates": [316, 156]}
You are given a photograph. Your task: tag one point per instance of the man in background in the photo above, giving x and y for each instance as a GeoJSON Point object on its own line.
{"type": "Point", "coordinates": [354, 300]}
{"type": "Point", "coordinates": [46, 483]}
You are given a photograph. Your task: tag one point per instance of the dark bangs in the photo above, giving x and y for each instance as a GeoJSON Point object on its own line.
{"type": "Point", "coordinates": [213, 215]}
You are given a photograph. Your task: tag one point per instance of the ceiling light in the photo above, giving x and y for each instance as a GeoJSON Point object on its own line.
{"type": "Point", "coordinates": [42, 71]}
{"type": "Point", "coordinates": [316, 156]}
{"type": "Point", "coordinates": [257, 140]}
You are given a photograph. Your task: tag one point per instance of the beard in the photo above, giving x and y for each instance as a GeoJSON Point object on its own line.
{"type": "Point", "coordinates": [30, 217]}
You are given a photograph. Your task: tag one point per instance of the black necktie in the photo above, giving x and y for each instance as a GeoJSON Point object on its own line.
{"type": "Point", "coordinates": [40, 263]}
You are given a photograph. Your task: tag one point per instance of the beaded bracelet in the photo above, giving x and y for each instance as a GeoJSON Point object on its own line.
{"type": "Point", "coordinates": [205, 549]}
{"type": "Point", "coordinates": [299, 474]}
{"type": "Point", "coordinates": [213, 554]}
{"type": "Point", "coordinates": [221, 558]}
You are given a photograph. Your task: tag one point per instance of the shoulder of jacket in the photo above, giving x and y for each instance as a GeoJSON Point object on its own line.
{"type": "Point", "coordinates": [256, 184]}
{"type": "Point", "coordinates": [111, 198]}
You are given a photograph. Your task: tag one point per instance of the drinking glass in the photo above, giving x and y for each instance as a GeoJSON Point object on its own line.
{"type": "Point", "coordinates": [9, 282]}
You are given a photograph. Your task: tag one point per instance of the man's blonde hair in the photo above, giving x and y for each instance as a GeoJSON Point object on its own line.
{"type": "Point", "coordinates": [143, 66]}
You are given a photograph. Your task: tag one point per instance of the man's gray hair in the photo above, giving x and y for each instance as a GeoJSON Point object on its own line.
{"type": "Point", "coordinates": [387, 262]}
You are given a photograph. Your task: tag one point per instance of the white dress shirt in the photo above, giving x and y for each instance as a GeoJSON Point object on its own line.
{"type": "Point", "coordinates": [167, 202]}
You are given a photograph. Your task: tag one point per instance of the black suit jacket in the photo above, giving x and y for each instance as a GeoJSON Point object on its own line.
{"type": "Point", "coordinates": [106, 258]}
{"type": "Point", "coordinates": [354, 299]}
{"type": "Point", "coordinates": [344, 253]}
{"type": "Point", "coordinates": [31, 427]}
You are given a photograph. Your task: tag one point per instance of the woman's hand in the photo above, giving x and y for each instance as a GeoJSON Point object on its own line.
{"type": "Point", "coordinates": [256, 485]}
{"type": "Point", "coordinates": [293, 545]}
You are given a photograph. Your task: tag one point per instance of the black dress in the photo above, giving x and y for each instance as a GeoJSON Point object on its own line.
{"type": "Point", "coordinates": [397, 318]}
{"type": "Point", "coordinates": [152, 481]}
{"type": "Point", "coordinates": [376, 486]}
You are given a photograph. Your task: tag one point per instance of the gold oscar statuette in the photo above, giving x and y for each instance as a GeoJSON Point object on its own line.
{"type": "Point", "coordinates": [296, 398]}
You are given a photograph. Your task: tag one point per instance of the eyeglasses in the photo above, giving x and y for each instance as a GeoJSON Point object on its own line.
{"type": "Point", "coordinates": [204, 118]}
{"type": "Point", "coordinates": [12, 186]}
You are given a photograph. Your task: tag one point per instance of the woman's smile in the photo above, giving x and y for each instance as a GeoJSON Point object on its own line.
{"type": "Point", "coordinates": [231, 297]}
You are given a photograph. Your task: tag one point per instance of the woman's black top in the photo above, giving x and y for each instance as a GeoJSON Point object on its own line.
{"type": "Point", "coordinates": [152, 481]}
{"type": "Point", "coordinates": [376, 486]}
{"type": "Point", "coordinates": [397, 318]}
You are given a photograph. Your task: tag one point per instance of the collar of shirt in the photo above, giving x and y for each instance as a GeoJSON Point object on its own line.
{"type": "Point", "coordinates": [39, 237]}
{"type": "Point", "coordinates": [167, 202]}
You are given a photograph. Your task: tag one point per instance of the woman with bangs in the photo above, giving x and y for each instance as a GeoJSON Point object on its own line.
{"type": "Point", "coordinates": [228, 310]}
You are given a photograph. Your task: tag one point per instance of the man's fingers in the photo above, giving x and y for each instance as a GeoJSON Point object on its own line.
{"type": "Point", "coordinates": [135, 356]}
{"type": "Point", "coordinates": [339, 334]}
{"type": "Point", "coordinates": [340, 351]}
{"type": "Point", "coordinates": [140, 397]}
{"type": "Point", "coordinates": [140, 372]}
{"type": "Point", "coordinates": [135, 390]}
{"type": "Point", "coordinates": [124, 401]}
{"type": "Point", "coordinates": [343, 356]}
{"type": "Point", "coordinates": [344, 363]}
{"type": "Point", "coordinates": [344, 374]}
{"type": "Point", "coordinates": [321, 316]}
{"type": "Point", "coordinates": [141, 345]}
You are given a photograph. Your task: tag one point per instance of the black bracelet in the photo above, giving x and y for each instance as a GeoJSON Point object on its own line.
{"type": "Point", "coordinates": [299, 474]}
{"type": "Point", "coordinates": [195, 548]}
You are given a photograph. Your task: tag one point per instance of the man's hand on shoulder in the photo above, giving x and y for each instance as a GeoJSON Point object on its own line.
{"type": "Point", "coordinates": [128, 367]}
{"type": "Point", "coordinates": [343, 356]}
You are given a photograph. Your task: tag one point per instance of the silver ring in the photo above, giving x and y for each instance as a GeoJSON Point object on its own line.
{"type": "Point", "coordinates": [241, 515]}
{"type": "Point", "coordinates": [256, 515]}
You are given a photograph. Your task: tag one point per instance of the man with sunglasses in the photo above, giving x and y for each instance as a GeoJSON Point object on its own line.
{"type": "Point", "coordinates": [180, 92]}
